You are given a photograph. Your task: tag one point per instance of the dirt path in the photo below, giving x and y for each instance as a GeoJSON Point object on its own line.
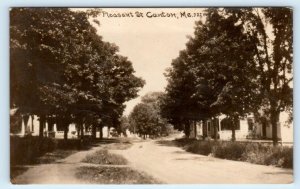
{"type": "Point", "coordinates": [61, 172]}
{"type": "Point", "coordinates": [173, 165]}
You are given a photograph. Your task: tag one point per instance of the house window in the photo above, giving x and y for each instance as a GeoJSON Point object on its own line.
{"type": "Point", "coordinates": [226, 124]}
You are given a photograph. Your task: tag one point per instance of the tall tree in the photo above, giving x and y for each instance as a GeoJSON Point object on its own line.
{"type": "Point", "coordinates": [271, 33]}
{"type": "Point", "coordinates": [43, 42]}
{"type": "Point", "coordinates": [145, 117]}
{"type": "Point", "coordinates": [223, 56]}
{"type": "Point", "coordinates": [61, 67]}
{"type": "Point", "coordinates": [143, 120]}
{"type": "Point", "coordinates": [181, 104]}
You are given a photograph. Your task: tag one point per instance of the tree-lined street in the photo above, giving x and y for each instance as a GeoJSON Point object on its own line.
{"type": "Point", "coordinates": [227, 93]}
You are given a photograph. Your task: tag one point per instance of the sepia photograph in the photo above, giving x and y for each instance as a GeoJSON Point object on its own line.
{"type": "Point", "coordinates": [198, 95]}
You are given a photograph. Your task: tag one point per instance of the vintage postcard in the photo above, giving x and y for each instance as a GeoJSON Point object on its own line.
{"type": "Point", "coordinates": [151, 95]}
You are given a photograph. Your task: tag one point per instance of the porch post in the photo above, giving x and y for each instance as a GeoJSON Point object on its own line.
{"type": "Point", "coordinates": [32, 125]}
{"type": "Point", "coordinates": [219, 124]}
{"type": "Point", "coordinates": [22, 126]}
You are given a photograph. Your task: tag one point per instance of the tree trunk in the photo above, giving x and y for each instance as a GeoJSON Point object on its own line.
{"type": "Point", "coordinates": [93, 132]}
{"type": "Point", "coordinates": [78, 130]}
{"type": "Point", "coordinates": [101, 131]}
{"type": "Point", "coordinates": [233, 127]}
{"type": "Point", "coordinates": [187, 129]}
{"type": "Point", "coordinates": [233, 133]}
{"type": "Point", "coordinates": [215, 122]}
{"type": "Point", "coordinates": [195, 129]}
{"type": "Point", "coordinates": [81, 131]}
{"type": "Point", "coordinates": [203, 129]}
{"type": "Point", "coordinates": [108, 130]}
{"type": "Point", "coordinates": [66, 130]}
{"type": "Point", "coordinates": [42, 124]}
{"type": "Point", "coordinates": [32, 125]}
{"type": "Point", "coordinates": [274, 123]}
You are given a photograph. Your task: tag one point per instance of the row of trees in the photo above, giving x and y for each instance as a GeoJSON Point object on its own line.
{"type": "Point", "coordinates": [63, 72]}
{"type": "Point", "coordinates": [145, 118]}
{"type": "Point", "coordinates": [238, 62]}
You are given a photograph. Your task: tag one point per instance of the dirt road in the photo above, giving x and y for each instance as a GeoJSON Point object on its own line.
{"type": "Point", "coordinates": [173, 165]}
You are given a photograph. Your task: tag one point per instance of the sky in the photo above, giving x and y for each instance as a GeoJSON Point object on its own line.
{"type": "Point", "coordinates": [150, 43]}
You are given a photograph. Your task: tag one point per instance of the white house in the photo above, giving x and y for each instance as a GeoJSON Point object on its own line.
{"type": "Point", "coordinates": [248, 128]}
{"type": "Point", "coordinates": [22, 125]}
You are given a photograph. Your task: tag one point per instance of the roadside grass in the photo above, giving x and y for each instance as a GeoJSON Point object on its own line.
{"type": "Point", "coordinates": [104, 158]}
{"type": "Point", "coordinates": [263, 154]}
{"type": "Point", "coordinates": [113, 175]}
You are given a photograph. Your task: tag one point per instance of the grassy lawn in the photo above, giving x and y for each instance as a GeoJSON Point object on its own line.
{"type": "Point", "coordinates": [113, 175]}
{"type": "Point", "coordinates": [104, 158]}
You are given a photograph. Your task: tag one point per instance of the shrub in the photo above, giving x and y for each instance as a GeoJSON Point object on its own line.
{"type": "Point", "coordinates": [228, 150]}
{"type": "Point", "coordinates": [251, 152]}
{"type": "Point", "coordinates": [184, 141]}
{"type": "Point", "coordinates": [255, 153]}
{"type": "Point", "coordinates": [203, 147]}
{"type": "Point", "coordinates": [280, 156]}
{"type": "Point", "coordinates": [268, 155]}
